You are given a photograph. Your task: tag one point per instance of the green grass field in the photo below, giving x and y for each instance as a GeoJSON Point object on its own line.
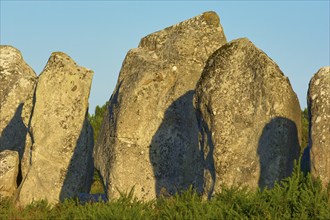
{"type": "Point", "coordinates": [297, 197]}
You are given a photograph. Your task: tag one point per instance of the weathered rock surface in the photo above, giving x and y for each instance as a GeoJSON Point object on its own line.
{"type": "Point", "coordinates": [319, 119]}
{"type": "Point", "coordinates": [249, 118]}
{"type": "Point", "coordinates": [149, 134]}
{"type": "Point", "coordinates": [59, 153]}
{"type": "Point", "coordinates": [17, 83]}
{"type": "Point", "coordinates": [9, 163]}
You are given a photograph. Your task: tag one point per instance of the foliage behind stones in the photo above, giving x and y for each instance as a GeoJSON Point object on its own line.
{"type": "Point", "coordinates": [96, 119]}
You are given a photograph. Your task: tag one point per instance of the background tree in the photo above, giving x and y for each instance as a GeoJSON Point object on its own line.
{"type": "Point", "coordinates": [304, 129]}
{"type": "Point", "coordinates": [97, 118]}
{"type": "Point", "coordinates": [96, 122]}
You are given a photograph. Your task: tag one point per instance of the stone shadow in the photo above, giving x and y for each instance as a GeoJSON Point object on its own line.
{"type": "Point", "coordinates": [79, 174]}
{"type": "Point", "coordinates": [105, 141]}
{"type": "Point", "coordinates": [305, 164]}
{"type": "Point", "coordinates": [13, 137]}
{"type": "Point", "coordinates": [306, 156]}
{"type": "Point", "coordinates": [207, 151]}
{"type": "Point", "coordinates": [278, 148]}
{"type": "Point", "coordinates": [174, 152]}
{"type": "Point", "coordinates": [14, 134]}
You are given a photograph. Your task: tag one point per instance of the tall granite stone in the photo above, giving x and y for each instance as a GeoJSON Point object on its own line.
{"type": "Point", "coordinates": [148, 138]}
{"type": "Point", "coordinates": [319, 121]}
{"type": "Point", "coordinates": [9, 163]}
{"type": "Point", "coordinates": [249, 118]}
{"type": "Point", "coordinates": [17, 84]}
{"type": "Point", "coordinates": [59, 153]}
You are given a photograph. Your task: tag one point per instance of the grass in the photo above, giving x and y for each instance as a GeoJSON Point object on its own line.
{"type": "Point", "coordinates": [297, 197]}
{"type": "Point", "coordinates": [97, 185]}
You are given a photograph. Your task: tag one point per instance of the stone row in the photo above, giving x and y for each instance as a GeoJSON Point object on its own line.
{"type": "Point", "coordinates": [46, 141]}
{"type": "Point", "coordinates": [189, 109]}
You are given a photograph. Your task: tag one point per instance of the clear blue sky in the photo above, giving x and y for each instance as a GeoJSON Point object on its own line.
{"type": "Point", "coordinates": [98, 34]}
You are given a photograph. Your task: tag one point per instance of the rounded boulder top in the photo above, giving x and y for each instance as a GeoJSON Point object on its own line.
{"type": "Point", "coordinates": [9, 52]}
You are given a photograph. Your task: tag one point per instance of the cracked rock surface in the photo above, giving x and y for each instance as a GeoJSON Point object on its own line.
{"type": "Point", "coordinates": [17, 83]}
{"type": "Point", "coordinates": [8, 172]}
{"type": "Point", "coordinates": [148, 139]}
{"type": "Point", "coordinates": [57, 161]}
{"type": "Point", "coordinates": [319, 119]}
{"type": "Point", "coordinates": [249, 118]}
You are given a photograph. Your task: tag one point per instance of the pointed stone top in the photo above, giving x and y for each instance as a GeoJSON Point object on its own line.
{"type": "Point", "coordinates": [62, 61]}
{"type": "Point", "coordinates": [206, 23]}
{"type": "Point", "coordinates": [211, 18]}
{"type": "Point", "coordinates": [60, 58]}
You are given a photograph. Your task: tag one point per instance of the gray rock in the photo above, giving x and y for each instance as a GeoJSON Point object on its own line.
{"type": "Point", "coordinates": [59, 153]}
{"type": "Point", "coordinates": [148, 139]}
{"type": "Point", "coordinates": [17, 83]}
{"type": "Point", "coordinates": [8, 173]}
{"type": "Point", "coordinates": [319, 121]}
{"type": "Point", "coordinates": [249, 118]}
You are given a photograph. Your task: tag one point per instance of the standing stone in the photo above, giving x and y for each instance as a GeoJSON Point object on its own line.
{"type": "Point", "coordinates": [8, 172]}
{"type": "Point", "coordinates": [61, 147]}
{"type": "Point", "coordinates": [249, 118]}
{"type": "Point", "coordinates": [17, 83]}
{"type": "Point", "coordinates": [148, 139]}
{"type": "Point", "coordinates": [319, 121]}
